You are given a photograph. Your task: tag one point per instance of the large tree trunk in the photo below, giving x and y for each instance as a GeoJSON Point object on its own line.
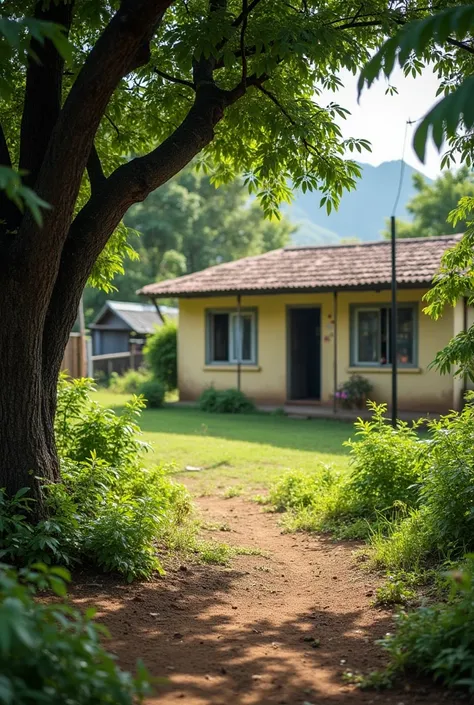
{"type": "Point", "coordinates": [28, 456]}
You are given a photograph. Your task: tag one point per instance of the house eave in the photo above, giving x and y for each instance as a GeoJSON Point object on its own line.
{"type": "Point", "coordinates": [382, 286]}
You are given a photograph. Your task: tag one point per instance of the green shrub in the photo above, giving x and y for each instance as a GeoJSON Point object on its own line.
{"type": "Point", "coordinates": [354, 392]}
{"type": "Point", "coordinates": [84, 427]}
{"type": "Point", "coordinates": [438, 641]}
{"type": "Point", "coordinates": [387, 463]}
{"type": "Point", "coordinates": [318, 501]}
{"type": "Point", "coordinates": [129, 382]}
{"type": "Point", "coordinates": [153, 392]}
{"type": "Point", "coordinates": [161, 354]}
{"type": "Point", "coordinates": [52, 653]}
{"type": "Point", "coordinates": [404, 544]}
{"type": "Point", "coordinates": [443, 527]}
{"type": "Point", "coordinates": [108, 511]}
{"type": "Point", "coordinates": [448, 487]}
{"type": "Point", "coordinates": [229, 401]}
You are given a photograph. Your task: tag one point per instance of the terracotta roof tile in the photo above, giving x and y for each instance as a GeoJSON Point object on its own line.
{"type": "Point", "coordinates": [314, 268]}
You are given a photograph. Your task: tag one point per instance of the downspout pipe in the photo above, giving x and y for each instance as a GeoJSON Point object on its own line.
{"type": "Point", "coordinates": [334, 316]}
{"type": "Point", "coordinates": [158, 310]}
{"type": "Point", "coordinates": [239, 342]}
{"type": "Point", "coordinates": [393, 331]}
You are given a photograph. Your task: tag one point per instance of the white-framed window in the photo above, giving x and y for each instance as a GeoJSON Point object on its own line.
{"type": "Point", "coordinates": [231, 338]}
{"type": "Point", "coordinates": [370, 335]}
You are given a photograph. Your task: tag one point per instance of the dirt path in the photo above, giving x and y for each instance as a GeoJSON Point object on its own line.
{"type": "Point", "coordinates": [241, 634]}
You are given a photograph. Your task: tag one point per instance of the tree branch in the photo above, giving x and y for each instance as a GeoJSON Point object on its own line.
{"type": "Point", "coordinates": [242, 40]}
{"type": "Point", "coordinates": [246, 10]}
{"type": "Point", "coordinates": [94, 170]}
{"type": "Point", "coordinates": [174, 79]}
{"type": "Point", "coordinates": [69, 148]}
{"type": "Point", "coordinates": [43, 91]}
{"type": "Point", "coordinates": [128, 184]}
{"type": "Point", "coordinates": [461, 45]}
{"type": "Point", "coordinates": [277, 103]}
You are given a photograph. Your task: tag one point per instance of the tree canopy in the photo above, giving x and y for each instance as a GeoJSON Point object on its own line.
{"type": "Point", "coordinates": [233, 84]}
{"type": "Point", "coordinates": [432, 204]}
{"type": "Point", "coordinates": [443, 40]}
{"type": "Point", "coordinates": [187, 225]}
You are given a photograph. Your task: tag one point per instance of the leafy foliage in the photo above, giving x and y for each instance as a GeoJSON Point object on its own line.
{"type": "Point", "coordinates": [228, 401]}
{"type": "Point", "coordinates": [438, 640]}
{"type": "Point", "coordinates": [109, 510]}
{"type": "Point", "coordinates": [153, 393]}
{"type": "Point", "coordinates": [129, 382]}
{"type": "Point", "coordinates": [354, 392]}
{"type": "Point", "coordinates": [51, 652]}
{"type": "Point", "coordinates": [417, 43]}
{"type": "Point", "coordinates": [441, 528]}
{"type": "Point", "coordinates": [161, 354]}
{"type": "Point", "coordinates": [454, 282]}
{"type": "Point", "coordinates": [22, 196]}
{"type": "Point", "coordinates": [433, 203]}
{"type": "Point", "coordinates": [386, 461]}
{"type": "Point", "coordinates": [386, 469]}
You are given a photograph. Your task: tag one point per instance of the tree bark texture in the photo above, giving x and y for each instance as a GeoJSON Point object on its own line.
{"type": "Point", "coordinates": [43, 270]}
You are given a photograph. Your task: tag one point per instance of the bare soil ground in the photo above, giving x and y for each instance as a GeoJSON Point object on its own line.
{"type": "Point", "coordinates": [243, 634]}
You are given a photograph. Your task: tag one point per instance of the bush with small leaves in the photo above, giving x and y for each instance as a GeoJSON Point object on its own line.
{"type": "Point", "coordinates": [153, 393]}
{"type": "Point", "coordinates": [438, 640]}
{"type": "Point", "coordinates": [129, 382]}
{"type": "Point", "coordinates": [161, 354]}
{"type": "Point", "coordinates": [108, 511]}
{"type": "Point", "coordinates": [387, 462]}
{"type": "Point", "coordinates": [228, 401]}
{"type": "Point", "coordinates": [52, 653]}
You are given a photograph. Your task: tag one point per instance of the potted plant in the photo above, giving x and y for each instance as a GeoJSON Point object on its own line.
{"type": "Point", "coordinates": [354, 392]}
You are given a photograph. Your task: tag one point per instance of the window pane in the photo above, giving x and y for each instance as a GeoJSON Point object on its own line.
{"type": "Point", "coordinates": [385, 318]}
{"type": "Point", "coordinates": [246, 338]}
{"type": "Point", "coordinates": [368, 345]}
{"type": "Point", "coordinates": [220, 337]}
{"type": "Point", "coordinates": [405, 336]}
{"type": "Point", "coordinates": [246, 333]}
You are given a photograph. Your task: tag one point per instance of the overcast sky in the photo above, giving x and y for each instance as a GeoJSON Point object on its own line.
{"type": "Point", "coordinates": [381, 118]}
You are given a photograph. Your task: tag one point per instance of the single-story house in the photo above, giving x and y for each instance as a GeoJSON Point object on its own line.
{"type": "Point", "coordinates": [312, 316]}
{"type": "Point", "coordinates": [121, 324]}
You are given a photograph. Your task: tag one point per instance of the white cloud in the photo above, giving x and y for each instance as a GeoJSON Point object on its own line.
{"type": "Point", "coordinates": [382, 118]}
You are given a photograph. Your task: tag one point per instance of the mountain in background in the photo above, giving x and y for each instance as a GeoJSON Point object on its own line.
{"type": "Point", "coordinates": [362, 212]}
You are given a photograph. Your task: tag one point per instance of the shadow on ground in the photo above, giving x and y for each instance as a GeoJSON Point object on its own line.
{"type": "Point", "coordinates": [183, 627]}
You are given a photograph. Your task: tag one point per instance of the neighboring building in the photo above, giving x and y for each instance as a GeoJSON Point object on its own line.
{"type": "Point", "coordinates": [311, 316]}
{"type": "Point", "coordinates": [121, 324]}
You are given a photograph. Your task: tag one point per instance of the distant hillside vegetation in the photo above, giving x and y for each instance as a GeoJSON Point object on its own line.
{"type": "Point", "coordinates": [362, 212]}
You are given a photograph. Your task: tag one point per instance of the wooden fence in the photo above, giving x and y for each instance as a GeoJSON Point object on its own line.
{"type": "Point", "coordinates": [74, 360]}
{"type": "Point", "coordinates": [78, 360]}
{"type": "Point", "coordinates": [104, 365]}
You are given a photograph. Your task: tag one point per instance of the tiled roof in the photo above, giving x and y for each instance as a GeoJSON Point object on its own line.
{"type": "Point", "coordinates": [315, 269]}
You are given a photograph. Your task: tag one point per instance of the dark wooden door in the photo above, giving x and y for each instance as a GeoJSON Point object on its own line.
{"type": "Point", "coordinates": [305, 353]}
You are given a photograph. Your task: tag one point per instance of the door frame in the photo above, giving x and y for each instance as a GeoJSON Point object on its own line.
{"type": "Point", "coordinates": [289, 309]}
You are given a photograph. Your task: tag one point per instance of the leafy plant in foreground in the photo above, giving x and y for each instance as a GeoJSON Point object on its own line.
{"type": "Point", "coordinates": [438, 640]}
{"type": "Point", "coordinates": [52, 653]}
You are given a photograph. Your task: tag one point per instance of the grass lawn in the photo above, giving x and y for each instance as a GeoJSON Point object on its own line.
{"type": "Point", "coordinates": [247, 452]}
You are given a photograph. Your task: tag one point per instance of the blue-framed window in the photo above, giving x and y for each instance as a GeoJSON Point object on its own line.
{"type": "Point", "coordinates": [370, 335]}
{"type": "Point", "coordinates": [230, 337]}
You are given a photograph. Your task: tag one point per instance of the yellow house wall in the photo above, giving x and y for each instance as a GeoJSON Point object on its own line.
{"type": "Point", "coordinates": [419, 389]}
